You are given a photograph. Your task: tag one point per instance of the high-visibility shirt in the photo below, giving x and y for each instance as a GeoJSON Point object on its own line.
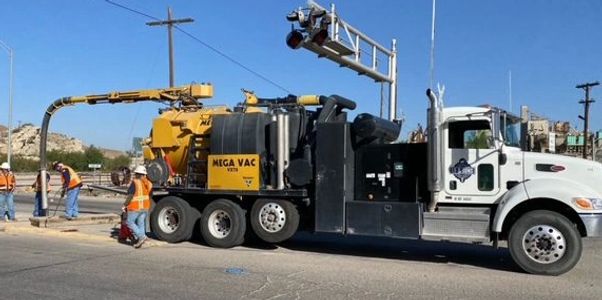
{"type": "Point", "coordinates": [140, 194]}
{"type": "Point", "coordinates": [38, 184]}
{"type": "Point", "coordinates": [70, 178]}
{"type": "Point", "coordinates": [7, 181]}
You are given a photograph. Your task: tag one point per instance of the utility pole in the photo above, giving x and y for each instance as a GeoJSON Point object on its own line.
{"type": "Point", "coordinates": [587, 87]}
{"type": "Point", "coordinates": [170, 22]}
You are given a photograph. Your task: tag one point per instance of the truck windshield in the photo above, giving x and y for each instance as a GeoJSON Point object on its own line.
{"type": "Point", "coordinates": [511, 128]}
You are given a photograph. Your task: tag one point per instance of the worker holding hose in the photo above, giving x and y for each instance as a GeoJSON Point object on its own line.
{"type": "Point", "coordinates": [71, 187]}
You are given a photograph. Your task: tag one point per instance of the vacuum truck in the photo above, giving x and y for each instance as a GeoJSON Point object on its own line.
{"type": "Point", "coordinates": [273, 166]}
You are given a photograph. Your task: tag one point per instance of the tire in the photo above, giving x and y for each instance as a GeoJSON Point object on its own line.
{"type": "Point", "coordinates": [274, 221]}
{"type": "Point", "coordinates": [545, 243]}
{"type": "Point", "coordinates": [172, 219]}
{"type": "Point", "coordinates": [223, 224]}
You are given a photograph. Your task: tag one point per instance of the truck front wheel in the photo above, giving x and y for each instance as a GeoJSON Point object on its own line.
{"type": "Point", "coordinates": [223, 224]}
{"type": "Point", "coordinates": [274, 221]}
{"type": "Point", "coordinates": [172, 219]}
{"type": "Point", "coordinates": [545, 242]}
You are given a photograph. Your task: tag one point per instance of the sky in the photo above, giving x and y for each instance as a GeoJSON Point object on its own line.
{"type": "Point", "coordinates": [70, 48]}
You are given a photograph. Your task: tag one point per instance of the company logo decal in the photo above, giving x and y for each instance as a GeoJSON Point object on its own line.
{"type": "Point", "coordinates": [232, 164]}
{"type": "Point", "coordinates": [462, 170]}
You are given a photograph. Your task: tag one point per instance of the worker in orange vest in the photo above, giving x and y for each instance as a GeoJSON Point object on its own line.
{"type": "Point", "coordinates": [7, 186]}
{"type": "Point", "coordinates": [137, 205]}
{"type": "Point", "coordinates": [37, 186]}
{"type": "Point", "coordinates": [71, 186]}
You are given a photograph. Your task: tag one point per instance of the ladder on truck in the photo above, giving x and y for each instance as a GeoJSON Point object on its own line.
{"type": "Point", "coordinates": [196, 175]}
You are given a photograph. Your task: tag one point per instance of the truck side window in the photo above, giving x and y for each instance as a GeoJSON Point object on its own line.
{"type": "Point", "coordinates": [485, 177]}
{"type": "Point", "coordinates": [469, 135]}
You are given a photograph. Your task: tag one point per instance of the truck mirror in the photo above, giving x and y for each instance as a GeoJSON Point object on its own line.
{"type": "Point", "coordinates": [495, 126]}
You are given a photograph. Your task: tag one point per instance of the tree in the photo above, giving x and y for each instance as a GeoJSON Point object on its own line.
{"type": "Point", "coordinates": [93, 156]}
{"type": "Point", "coordinates": [479, 140]}
{"type": "Point", "coordinates": [116, 163]}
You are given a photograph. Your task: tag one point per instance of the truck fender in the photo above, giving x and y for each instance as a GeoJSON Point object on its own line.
{"type": "Point", "coordinates": [561, 190]}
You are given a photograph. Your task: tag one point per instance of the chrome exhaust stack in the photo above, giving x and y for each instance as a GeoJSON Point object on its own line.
{"type": "Point", "coordinates": [434, 149]}
{"type": "Point", "coordinates": [282, 150]}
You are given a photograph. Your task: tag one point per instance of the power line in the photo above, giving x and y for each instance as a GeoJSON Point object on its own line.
{"type": "Point", "coordinates": [232, 60]}
{"type": "Point", "coordinates": [131, 9]}
{"type": "Point", "coordinates": [217, 51]}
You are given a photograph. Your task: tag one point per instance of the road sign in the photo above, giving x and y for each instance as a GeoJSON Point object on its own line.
{"type": "Point", "coordinates": [94, 166]}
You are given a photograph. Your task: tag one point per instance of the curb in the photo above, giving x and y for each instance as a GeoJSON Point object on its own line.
{"type": "Point", "coordinates": [59, 221]}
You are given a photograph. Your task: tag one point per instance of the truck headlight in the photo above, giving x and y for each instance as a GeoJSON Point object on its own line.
{"type": "Point", "coordinates": [588, 203]}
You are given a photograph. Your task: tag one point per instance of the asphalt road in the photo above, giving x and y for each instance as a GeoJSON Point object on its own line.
{"type": "Point", "coordinates": [308, 267]}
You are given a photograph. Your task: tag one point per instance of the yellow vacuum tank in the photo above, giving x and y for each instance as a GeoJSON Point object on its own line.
{"type": "Point", "coordinates": [176, 134]}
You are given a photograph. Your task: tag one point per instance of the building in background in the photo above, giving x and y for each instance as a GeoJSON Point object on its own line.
{"type": "Point", "coordinates": [543, 135]}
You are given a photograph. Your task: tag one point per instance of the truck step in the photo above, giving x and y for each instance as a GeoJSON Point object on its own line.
{"type": "Point", "coordinates": [457, 224]}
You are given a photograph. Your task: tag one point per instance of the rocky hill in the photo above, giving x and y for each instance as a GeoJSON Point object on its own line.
{"type": "Point", "coordinates": [26, 142]}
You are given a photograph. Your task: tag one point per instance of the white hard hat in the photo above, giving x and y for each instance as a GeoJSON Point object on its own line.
{"type": "Point", "coordinates": [140, 170]}
{"type": "Point", "coordinates": [5, 166]}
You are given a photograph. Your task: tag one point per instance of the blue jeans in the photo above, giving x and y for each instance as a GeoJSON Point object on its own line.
{"type": "Point", "coordinates": [7, 202]}
{"type": "Point", "coordinates": [137, 223]}
{"type": "Point", "coordinates": [71, 203]}
{"type": "Point", "coordinates": [37, 205]}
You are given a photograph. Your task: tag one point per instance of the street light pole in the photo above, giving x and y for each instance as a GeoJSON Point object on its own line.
{"type": "Point", "coordinates": [9, 50]}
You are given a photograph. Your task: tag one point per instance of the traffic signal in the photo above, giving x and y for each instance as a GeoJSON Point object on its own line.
{"type": "Point", "coordinates": [313, 27]}
{"type": "Point", "coordinates": [319, 36]}
{"type": "Point", "coordinates": [295, 39]}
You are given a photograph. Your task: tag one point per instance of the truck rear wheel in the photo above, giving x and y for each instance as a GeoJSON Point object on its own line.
{"type": "Point", "coordinates": [172, 219]}
{"type": "Point", "coordinates": [545, 242]}
{"type": "Point", "coordinates": [274, 221]}
{"type": "Point", "coordinates": [223, 224]}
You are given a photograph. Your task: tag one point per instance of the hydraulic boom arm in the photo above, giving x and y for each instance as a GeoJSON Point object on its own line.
{"type": "Point", "coordinates": [186, 95]}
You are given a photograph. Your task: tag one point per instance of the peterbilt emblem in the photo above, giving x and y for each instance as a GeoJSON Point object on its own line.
{"type": "Point", "coordinates": [462, 170]}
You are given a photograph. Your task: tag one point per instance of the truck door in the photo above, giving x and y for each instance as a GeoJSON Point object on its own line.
{"type": "Point", "coordinates": [471, 171]}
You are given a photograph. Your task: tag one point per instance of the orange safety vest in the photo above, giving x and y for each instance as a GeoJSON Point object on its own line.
{"type": "Point", "coordinates": [74, 178]}
{"type": "Point", "coordinates": [141, 197]}
{"type": "Point", "coordinates": [7, 181]}
{"type": "Point", "coordinates": [38, 183]}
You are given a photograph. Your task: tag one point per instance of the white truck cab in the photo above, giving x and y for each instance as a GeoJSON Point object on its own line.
{"type": "Point", "coordinates": [542, 204]}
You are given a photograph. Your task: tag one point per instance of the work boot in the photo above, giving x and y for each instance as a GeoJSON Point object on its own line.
{"type": "Point", "coordinates": [140, 242]}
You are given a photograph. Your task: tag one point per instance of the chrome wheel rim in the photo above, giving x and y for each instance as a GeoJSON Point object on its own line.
{"type": "Point", "coordinates": [544, 244]}
{"type": "Point", "coordinates": [169, 219]}
{"type": "Point", "coordinates": [219, 224]}
{"type": "Point", "coordinates": [272, 217]}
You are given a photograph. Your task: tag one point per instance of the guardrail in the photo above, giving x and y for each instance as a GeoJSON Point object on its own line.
{"type": "Point", "coordinates": [25, 180]}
